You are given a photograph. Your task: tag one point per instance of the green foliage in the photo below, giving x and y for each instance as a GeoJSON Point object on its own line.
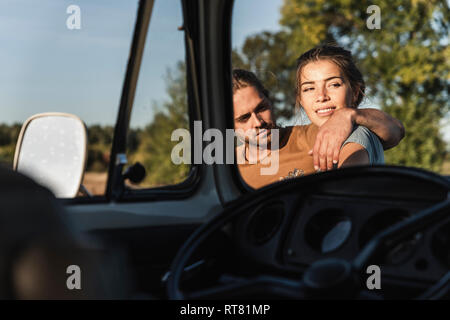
{"type": "Point", "coordinates": [154, 146]}
{"type": "Point", "coordinates": [7, 155]}
{"type": "Point", "coordinates": [405, 63]}
{"type": "Point", "coordinates": [270, 57]}
{"type": "Point", "coordinates": [151, 146]}
{"type": "Point", "coordinates": [8, 138]}
{"type": "Point", "coordinates": [100, 135]}
{"type": "Point", "coordinates": [9, 134]}
{"type": "Point", "coordinates": [99, 145]}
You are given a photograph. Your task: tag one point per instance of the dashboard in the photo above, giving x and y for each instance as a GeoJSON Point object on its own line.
{"type": "Point", "coordinates": [291, 227]}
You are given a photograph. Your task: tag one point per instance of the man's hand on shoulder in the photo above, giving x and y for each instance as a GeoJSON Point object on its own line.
{"type": "Point", "coordinates": [330, 137]}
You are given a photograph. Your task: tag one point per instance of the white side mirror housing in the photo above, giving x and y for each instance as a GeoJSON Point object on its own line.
{"type": "Point", "coordinates": [52, 150]}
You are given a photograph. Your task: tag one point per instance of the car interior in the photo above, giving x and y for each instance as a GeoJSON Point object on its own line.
{"type": "Point", "coordinates": [214, 237]}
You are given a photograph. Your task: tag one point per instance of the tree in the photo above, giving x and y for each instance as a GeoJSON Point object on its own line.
{"type": "Point", "coordinates": [405, 63]}
{"type": "Point", "coordinates": [155, 148]}
{"type": "Point", "coordinates": [99, 146]}
{"type": "Point", "coordinates": [8, 139]}
{"type": "Point", "coordinates": [269, 56]}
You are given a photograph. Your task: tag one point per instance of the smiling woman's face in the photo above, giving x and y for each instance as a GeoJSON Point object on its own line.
{"type": "Point", "coordinates": [323, 89]}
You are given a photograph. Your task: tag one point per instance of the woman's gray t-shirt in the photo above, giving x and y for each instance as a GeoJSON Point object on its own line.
{"type": "Point", "coordinates": [370, 142]}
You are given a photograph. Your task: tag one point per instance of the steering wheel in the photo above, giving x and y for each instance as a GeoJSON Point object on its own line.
{"type": "Point", "coordinates": [324, 278]}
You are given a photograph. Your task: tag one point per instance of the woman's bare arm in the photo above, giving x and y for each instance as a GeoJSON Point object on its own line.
{"type": "Point", "coordinates": [353, 154]}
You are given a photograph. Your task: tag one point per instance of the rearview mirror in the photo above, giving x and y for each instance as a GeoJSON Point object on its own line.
{"type": "Point", "coordinates": [51, 149]}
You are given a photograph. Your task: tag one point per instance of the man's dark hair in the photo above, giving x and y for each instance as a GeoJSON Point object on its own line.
{"type": "Point", "coordinates": [243, 79]}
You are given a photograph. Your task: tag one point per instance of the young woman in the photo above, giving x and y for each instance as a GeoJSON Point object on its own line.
{"type": "Point", "coordinates": [329, 89]}
{"type": "Point", "coordinates": [329, 83]}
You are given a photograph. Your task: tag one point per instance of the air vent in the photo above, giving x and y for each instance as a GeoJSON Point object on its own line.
{"type": "Point", "coordinates": [380, 222]}
{"type": "Point", "coordinates": [264, 223]}
{"type": "Point", "coordinates": [327, 230]}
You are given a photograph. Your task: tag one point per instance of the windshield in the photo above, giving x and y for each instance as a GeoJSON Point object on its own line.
{"type": "Point", "coordinates": [343, 83]}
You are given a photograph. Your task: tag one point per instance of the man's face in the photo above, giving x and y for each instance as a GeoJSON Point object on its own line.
{"type": "Point", "coordinates": [253, 115]}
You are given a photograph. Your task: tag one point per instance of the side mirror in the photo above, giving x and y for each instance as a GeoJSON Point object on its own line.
{"type": "Point", "coordinates": [51, 149]}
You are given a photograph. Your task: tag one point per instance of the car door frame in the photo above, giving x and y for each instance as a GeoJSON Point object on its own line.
{"type": "Point", "coordinates": [207, 26]}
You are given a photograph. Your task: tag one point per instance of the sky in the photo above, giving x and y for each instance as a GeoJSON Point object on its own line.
{"type": "Point", "coordinates": [47, 67]}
